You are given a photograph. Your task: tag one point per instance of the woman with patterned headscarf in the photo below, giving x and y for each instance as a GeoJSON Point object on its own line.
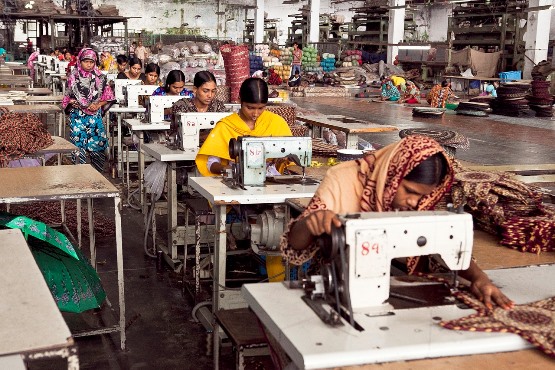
{"type": "Point", "coordinates": [87, 95]}
{"type": "Point", "coordinates": [410, 175]}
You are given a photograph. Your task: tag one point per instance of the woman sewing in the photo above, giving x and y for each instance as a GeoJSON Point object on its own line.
{"type": "Point", "coordinates": [134, 72]}
{"type": "Point", "coordinates": [251, 120]}
{"type": "Point", "coordinates": [204, 100]}
{"type": "Point", "coordinates": [85, 98]}
{"type": "Point", "coordinates": [412, 174]}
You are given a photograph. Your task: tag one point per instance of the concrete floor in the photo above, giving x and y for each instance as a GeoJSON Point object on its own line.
{"type": "Point", "coordinates": [161, 333]}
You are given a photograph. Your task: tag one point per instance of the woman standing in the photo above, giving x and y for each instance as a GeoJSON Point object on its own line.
{"type": "Point", "coordinates": [134, 72]}
{"type": "Point", "coordinates": [86, 96]}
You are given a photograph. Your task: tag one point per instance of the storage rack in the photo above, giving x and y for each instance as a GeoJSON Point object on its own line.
{"type": "Point", "coordinates": [270, 31]}
{"type": "Point", "coordinates": [298, 32]}
{"type": "Point", "coordinates": [492, 26]}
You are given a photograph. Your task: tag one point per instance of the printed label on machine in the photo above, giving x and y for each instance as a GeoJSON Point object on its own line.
{"type": "Point", "coordinates": [370, 251]}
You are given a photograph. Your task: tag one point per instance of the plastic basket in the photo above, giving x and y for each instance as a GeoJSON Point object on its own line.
{"type": "Point", "coordinates": [510, 76]}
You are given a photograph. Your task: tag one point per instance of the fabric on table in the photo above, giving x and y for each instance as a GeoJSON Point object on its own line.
{"type": "Point", "coordinates": [534, 322]}
{"type": "Point", "coordinates": [232, 126]}
{"type": "Point", "coordinates": [287, 112]}
{"type": "Point", "coordinates": [20, 134]}
{"type": "Point", "coordinates": [369, 184]}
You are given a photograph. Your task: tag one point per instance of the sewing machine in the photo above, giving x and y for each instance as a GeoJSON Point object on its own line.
{"type": "Point", "coordinates": [358, 256]}
{"type": "Point", "coordinates": [132, 93]}
{"type": "Point", "coordinates": [155, 106]}
{"type": "Point", "coordinates": [250, 154]}
{"type": "Point", "coordinates": [62, 66]}
{"type": "Point", "coordinates": [120, 87]}
{"type": "Point", "coordinates": [190, 124]}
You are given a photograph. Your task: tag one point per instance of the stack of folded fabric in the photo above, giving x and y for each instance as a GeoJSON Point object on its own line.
{"type": "Point", "coordinates": [449, 140]}
{"type": "Point", "coordinates": [511, 99]}
{"type": "Point", "coordinates": [428, 112]}
{"type": "Point", "coordinates": [470, 108]}
{"type": "Point", "coordinates": [322, 149]}
{"type": "Point", "coordinates": [541, 100]}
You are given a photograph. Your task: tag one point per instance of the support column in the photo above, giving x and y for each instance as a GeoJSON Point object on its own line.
{"type": "Point", "coordinates": [536, 37]}
{"type": "Point", "coordinates": [314, 21]}
{"type": "Point", "coordinates": [53, 35]}
{"type": "Point", "coordinates": [259, 22]}
{"type": "Point", "coordinates": [125, 40]}
{"type": "Point", "coordinates": [396, 30]}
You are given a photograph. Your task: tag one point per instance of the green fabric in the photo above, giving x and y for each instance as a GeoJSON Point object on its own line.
{"type": "Point", "coordinates": [73, 282]}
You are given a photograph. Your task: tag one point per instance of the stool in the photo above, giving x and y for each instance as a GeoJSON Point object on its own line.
{"type": "Point", "coordinates": [200, 209]}
{"type": "Point", "coordinates": [246, 336]}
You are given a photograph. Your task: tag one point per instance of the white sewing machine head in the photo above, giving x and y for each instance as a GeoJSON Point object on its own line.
{"type": "Point", "coordinates": [190, 124]}
{"type": "Point", "coordinates": [156, 104]}
{"type": "Point", "coordinates": [62, 67]}
{"type": "Point", "coordinates": [120, 88]}
{"type": "Point", "coordinates": [250, 154]}
{"type": "Point", "coordinates": [132, 93]}
{"type": "Point", "coordinates": [369, 241]}
{"type": "Point", "coordinates": [49, 60]}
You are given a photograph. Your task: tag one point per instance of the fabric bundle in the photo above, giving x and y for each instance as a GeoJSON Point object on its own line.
{"type": "Point", "coordinates": [351, 58]}
{"type": "Point", "coordinates": [449, 140]}
{"type": "Point", "coordinates": [511, 99]}
{"type": "Point", "coordinates": [255, 63]}
{"type": "Point", "coordinates": [328, 62]}
{"type": "Point", "coordinates": [476, 109]}
{"type": "Point", "coordinates": [20, 134]}
{"type": "Point", "coordinates": [236, 64]}
{"type": "Point", "coordinates": [506, 207]}
{"type": "Point", "coordinates": [541, 100]}
{"type": "Point", "coordinates": [310, 58]}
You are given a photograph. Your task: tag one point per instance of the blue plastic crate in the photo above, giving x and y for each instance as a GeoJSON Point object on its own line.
{"type": "Point", "coordinates": [510, 76]}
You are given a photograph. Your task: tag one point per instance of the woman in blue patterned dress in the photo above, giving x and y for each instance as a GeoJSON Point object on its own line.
{"type": "Point", "coordinates": [87, 95]}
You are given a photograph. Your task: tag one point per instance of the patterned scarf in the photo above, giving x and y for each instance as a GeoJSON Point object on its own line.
{"type": "Point", "coordinates": [86, 87]}
{"type": "Point", "coordinates": [382, 171]}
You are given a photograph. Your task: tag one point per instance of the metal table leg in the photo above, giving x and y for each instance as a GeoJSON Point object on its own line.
{"type": "Point", "coordinates": [219, 276]}
{"type": "Point", "coordinates": [119, 249]}
{"type": "Point", "coordinates": [172, 209]}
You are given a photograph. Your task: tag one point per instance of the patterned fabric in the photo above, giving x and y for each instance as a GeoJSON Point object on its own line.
{"type": "Point", "coordinates": [161, 91]}
{"type": "Point", "coordinates": [390, 92]}
{"type": "Point", "coordinates": [21, 133]}
{"type": "Point", "coordinates": [534, 322]}
{"type": "Point", "coordinates": [88, 134]}
{"type": "Point", "coordinates": [87, 87]}
{"type": "Point", "coordinates": [108, 63]}
{"type": "Point", "coordinates": [369, 185]}
{"type": "Point", "coordinates": [287, 112]}
{"type": "Point", "coordinates": [439, 95]}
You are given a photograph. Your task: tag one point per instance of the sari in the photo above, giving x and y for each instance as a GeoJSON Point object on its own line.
{"type": "Point", "coordinates": [370, 184]}
{"type": "Point", "coordinates": [231, 127]}
{"type": "Point", "coordinates": [31, 63]}
{"type": "Point", "coordinates": [86, 126]}
{"type": "Point", "coordinates": [390, 92]}
{"type": "Point", "coordinates": [439, 95]}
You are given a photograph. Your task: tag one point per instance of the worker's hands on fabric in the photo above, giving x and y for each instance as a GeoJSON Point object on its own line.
{"type": "Point", "coordinates": [320, 222]}
{"type": "Point", "coordinates": [94, 107]}
{"type": "Point", "coordinates": [74, 103]}
{"type": "Point", "coordinates": [489, 293]}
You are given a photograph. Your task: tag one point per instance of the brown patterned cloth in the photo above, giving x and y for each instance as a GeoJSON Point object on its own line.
{"type": "Point", "coordinates": [287, 112]}
{"type": "Point", "coordinates": [506, 207]}
{"type": "Point", "coordinates": [50, 213]}
{"type": "Point", "coordinates": [534, 322]}
{"type": "Point", "coordinates": [20, 134]}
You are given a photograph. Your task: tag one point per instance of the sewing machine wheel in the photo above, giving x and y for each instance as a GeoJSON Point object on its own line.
{"type": "Point", "coordinates": [234, 148]}
{"type": "Point", "coordinates": [329, 244]}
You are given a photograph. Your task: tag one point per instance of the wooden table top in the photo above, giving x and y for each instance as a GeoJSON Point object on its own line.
{"type": "Point", "coordinates": [34, 108]}
{"type": "Point", "coordinates": [28, 90]}
{"type": "Point", "coordinates": [346, 124]}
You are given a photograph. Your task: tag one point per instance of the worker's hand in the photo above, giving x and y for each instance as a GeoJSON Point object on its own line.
{"type": "Point", "coordinates": [93, 107]}
{"type": "Point", "coordinates": [488, 293]}
{"type": "Point", "coordinates": [320, 222]}
{"type": "Point", "coordinates": [74, 103]}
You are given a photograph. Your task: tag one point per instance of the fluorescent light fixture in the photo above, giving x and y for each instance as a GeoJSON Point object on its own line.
{"type": "Point", "coordinates": [414, 47]}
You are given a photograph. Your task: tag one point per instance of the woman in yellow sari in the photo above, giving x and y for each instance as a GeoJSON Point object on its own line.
{"type": "Point", "coordinates": [251, 120]}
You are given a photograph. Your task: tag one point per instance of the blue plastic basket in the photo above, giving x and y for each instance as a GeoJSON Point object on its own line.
{"type": "Point", "coordinates": [510, 76]}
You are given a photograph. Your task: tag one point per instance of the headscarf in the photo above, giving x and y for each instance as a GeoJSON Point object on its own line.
{"type": "Point", "coordinates": [87, 87]}
{"type": "Point", "coordinates": [381, 173]}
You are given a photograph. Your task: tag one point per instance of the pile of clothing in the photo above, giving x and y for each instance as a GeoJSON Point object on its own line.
{"type": "Point", "coordinates": [511, 100]}
{"type": "Point", "coordinates": [506, 207]}
{"type": "Point", "coordinates": [449, 140]}
{"type": "Point", "coordinates": [541, 100]}
{"type": "Point", "coordinates": [471, 108]}
{"type": "Point", "coordinates": [21, 134]}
